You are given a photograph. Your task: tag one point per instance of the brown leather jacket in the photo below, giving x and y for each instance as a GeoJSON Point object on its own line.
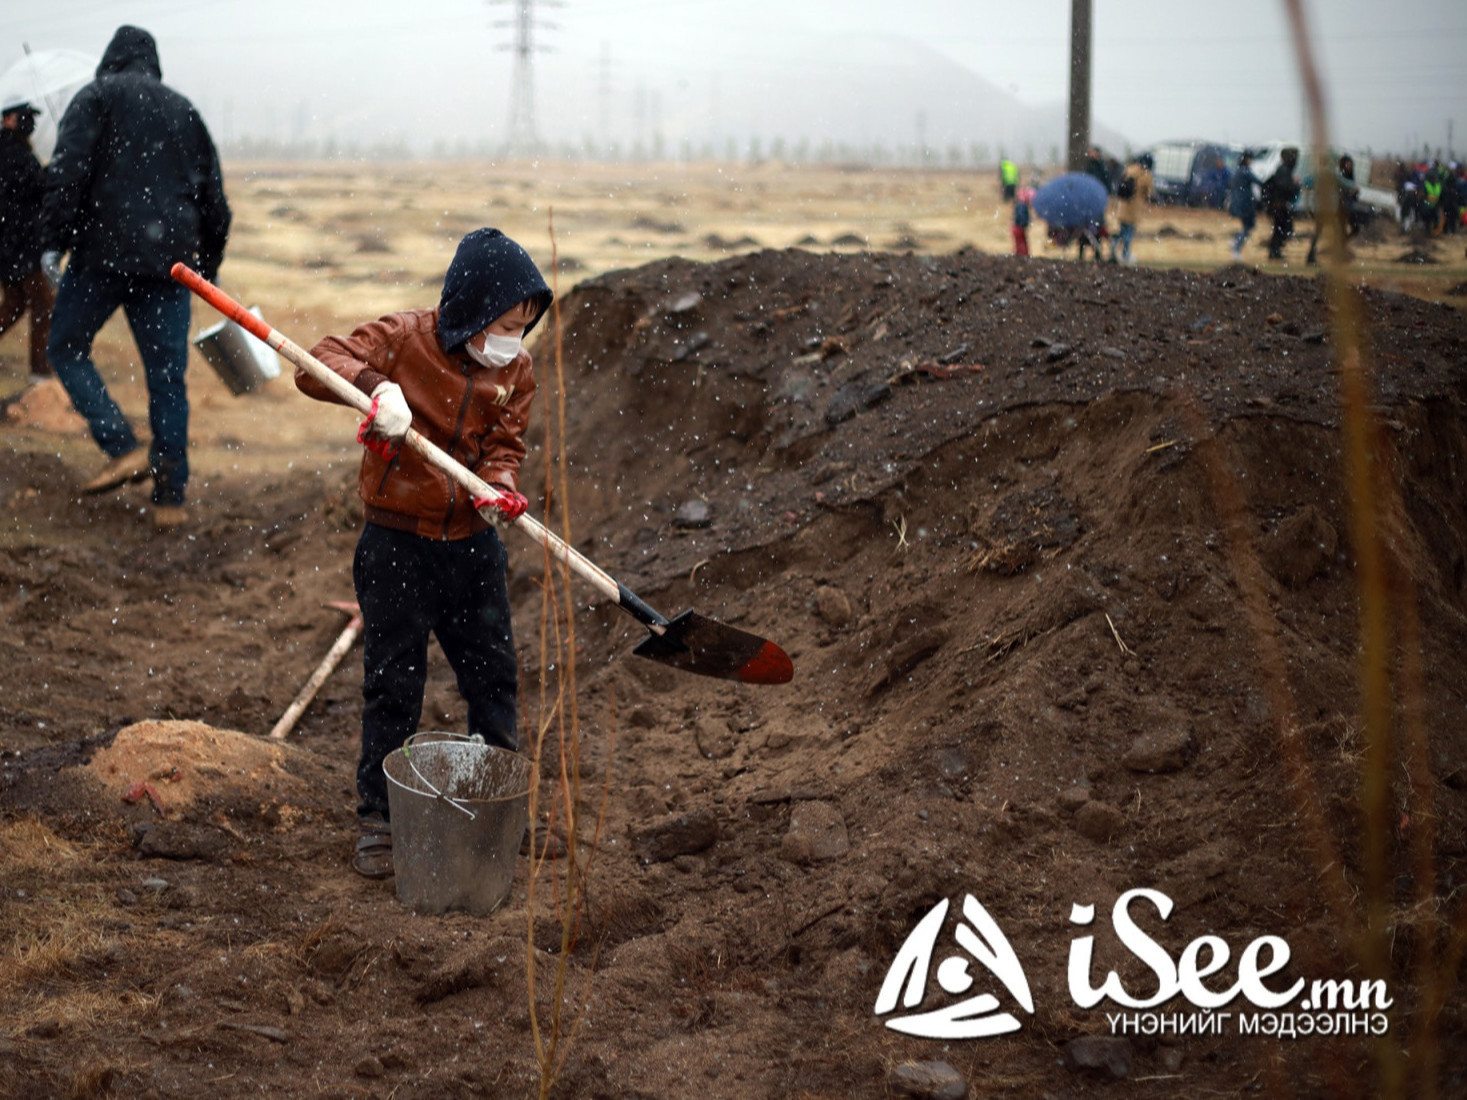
{"type": "Point", "coordinates": [477, 414]}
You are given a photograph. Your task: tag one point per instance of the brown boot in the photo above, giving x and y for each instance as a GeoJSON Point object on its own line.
{"type": "Point", "coordinates": [133, 466]}
{"type": "Point", "coordinates": [168, 516]}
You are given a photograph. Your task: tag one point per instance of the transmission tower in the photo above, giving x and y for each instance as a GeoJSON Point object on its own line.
{"type": "Point", "coordinates": [524, 140]}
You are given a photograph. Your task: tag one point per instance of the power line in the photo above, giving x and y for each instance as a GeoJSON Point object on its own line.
{"type": "Point", "coordinates": [524, 140]}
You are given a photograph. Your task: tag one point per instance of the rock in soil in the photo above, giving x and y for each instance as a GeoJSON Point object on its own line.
{"type": "Point", "coordinates": [1099, 821]}
{"type": "Point", "coordinates": [1301, 547]}
{"type": "Point", "coordinates": [176, 840]}
{"type": "Point", "coordinates": [1160, 750]}
{"type": "Point", "coordinates": [817, 832]}
{"type": "Point", "coordinates": [1101, 1054]}
{"type": "Point", "coordinates": [928, 1081]}
{"type": "Point", "coordinates": [832, 605]}
{"type": "Point", "coordinates": [682, 834]}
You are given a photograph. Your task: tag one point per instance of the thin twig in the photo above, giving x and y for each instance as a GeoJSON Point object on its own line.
{"type": "Point", "coordinates": [1125, 649]}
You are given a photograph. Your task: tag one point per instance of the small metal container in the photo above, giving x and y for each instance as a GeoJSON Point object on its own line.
{"type": "Point", "coordinates": [459, 811]}
{"type": "Point", "coordinates": [242, 361]}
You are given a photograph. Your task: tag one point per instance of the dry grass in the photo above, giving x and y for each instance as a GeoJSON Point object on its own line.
{"type": "Point", "coordinates": [54, 952]}
{"type": "Point", "coordinates": [28, 848]}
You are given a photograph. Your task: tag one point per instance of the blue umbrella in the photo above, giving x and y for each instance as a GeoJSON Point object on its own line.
{"type": "Point", "coordinates": [1072, 201]}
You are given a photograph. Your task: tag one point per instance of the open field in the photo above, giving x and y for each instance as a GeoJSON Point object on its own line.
{"type": "Point", "coordinates": [1065, 560]}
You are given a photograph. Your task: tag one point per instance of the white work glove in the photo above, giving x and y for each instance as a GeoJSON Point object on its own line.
{"type": "Point", "coordinates": [51, 268]}
{"type": "Point", "coordinates": [393, 417]}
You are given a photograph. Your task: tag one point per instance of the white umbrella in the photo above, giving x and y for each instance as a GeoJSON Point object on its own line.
{"type": "Point", "coordinates": [48, 79]}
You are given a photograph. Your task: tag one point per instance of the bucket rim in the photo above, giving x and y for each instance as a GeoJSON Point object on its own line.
{"type": "Point", "coordinates": [462, 800]}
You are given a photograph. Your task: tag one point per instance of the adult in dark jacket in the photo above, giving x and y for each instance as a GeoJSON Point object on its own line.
{"type": "Point", "coordinates": [133, 188]}
{"type": "Point", "coordinates": [1279, 192]}
{"type": "Point", "coordinates": [22, 285]}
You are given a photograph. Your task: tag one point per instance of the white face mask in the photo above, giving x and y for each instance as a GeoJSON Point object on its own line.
{"type": "Point", "coordinates": [498, 351]}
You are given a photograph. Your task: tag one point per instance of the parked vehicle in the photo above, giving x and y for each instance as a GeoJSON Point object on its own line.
{"type": "Point", "coordinates": [1193, 173]}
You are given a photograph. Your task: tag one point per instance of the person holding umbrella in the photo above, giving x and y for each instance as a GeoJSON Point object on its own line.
{"type": "Point", "coordinates": [23, 287]}
{"type": "Point", "coordinates": [134, 188]}
{"type": "Point", "coordinates": [1073, 205]}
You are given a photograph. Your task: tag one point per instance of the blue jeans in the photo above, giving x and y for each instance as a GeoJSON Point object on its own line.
{"type": "Point", "coordinates": [1248, 222]}
{"type": "Point", "coordinates": [1123, 240]}
{"type": "Point", "coordinates": [157, 310]}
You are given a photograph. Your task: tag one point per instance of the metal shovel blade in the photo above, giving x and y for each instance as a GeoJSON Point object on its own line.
{"type": "Point", "coordinates": [701, 645]}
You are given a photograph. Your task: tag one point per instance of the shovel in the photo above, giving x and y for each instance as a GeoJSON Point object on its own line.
{"type": "Point", "coordinates": [347, 639]}
{"type": "Point", "coordinates": [689, 641]}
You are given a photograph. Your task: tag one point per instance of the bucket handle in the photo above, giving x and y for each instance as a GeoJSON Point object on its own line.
{"type": "Point", "coordinates": [408, 756]}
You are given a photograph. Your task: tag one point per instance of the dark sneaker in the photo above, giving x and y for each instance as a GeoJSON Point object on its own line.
{"type": "Point", "coordinates": [373, 858]}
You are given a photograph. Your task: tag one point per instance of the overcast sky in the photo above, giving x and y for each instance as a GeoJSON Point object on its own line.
{"type": "Point", "coordinates": [433, 71]}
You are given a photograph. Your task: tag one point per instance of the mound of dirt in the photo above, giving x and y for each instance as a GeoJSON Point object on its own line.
{"type": "Point", "coordinates": [175, 763]}
{"type": "Point", "coordinates": [1041, 658]}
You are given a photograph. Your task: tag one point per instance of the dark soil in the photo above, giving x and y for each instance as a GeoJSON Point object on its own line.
{"type": "Point", "coordinates": [971, 497]}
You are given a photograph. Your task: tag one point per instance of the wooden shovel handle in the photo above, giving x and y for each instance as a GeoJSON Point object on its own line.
{"type": "Point", "coordinates": [350, 395]}
{"type": "Point", "coordinates": [333, 658]}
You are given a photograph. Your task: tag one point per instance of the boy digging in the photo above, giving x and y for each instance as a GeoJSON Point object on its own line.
{"type": "Point", "coordinates": [427, 560]}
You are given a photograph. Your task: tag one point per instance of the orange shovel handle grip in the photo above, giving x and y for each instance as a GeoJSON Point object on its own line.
{"type": "Point", "coordinates": [222, 302]}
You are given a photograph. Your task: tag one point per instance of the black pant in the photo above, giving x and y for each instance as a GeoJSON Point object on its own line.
{"type": "Point", "coordinates": [1283, 229]}
{"type": "Point", "coordinates": [30, 292]}
{"type": "Point", "coordinates": [409, 587]}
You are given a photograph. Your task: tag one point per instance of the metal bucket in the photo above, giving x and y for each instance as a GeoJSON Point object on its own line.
{"type": "Point", "coordinates": [242, 361]}
{"type": "Point", "coordinates": [459, 810]}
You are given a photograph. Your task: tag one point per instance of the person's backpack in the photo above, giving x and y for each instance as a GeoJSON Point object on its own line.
{"type": "Point", "coordinates": [1126, 189]}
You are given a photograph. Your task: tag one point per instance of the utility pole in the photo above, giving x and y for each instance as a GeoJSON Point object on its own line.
{"type": "Point", "coordinates": [1079, 129]}
{"type": "Point", "coordinates": [523, 137]}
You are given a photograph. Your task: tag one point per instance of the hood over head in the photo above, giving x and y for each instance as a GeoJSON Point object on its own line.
{"type": "Point", "coordinates": [489, 275]}
{"type": "Point", "coordinates": [132, 49]}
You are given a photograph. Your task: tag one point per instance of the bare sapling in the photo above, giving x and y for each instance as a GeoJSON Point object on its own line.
{"type": "Point", "coordinates": [557, 730]}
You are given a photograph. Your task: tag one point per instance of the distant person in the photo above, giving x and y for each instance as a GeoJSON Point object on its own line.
{"type": "Point", "coordinates": [1280, 191]}
{"type": "Point", "coordinates": [1215, 183]}
{"type": "Point", "coordinates": [1347, 204]}
{"type": "Point", "coordinates": [1008, 178]}
{"type": "Point", "coordinates": [1134, 190]}
{"type": "Point", "coordinates": [428, 560]}
{"type": "Point", "coordinates": [1452, 199]}
{"type": "Point", "coordinates": [1433, 183]}
{"type": "Point", "coordinates": [1022, 217]}
{"type": "Point", "coordinates": [1097, 169]}
{"type": "Point", "coordinates": [1412, 214]}
{"type": "Point", "coordinates": [133, 188]}
{"type": "Point", "coordinates": [23, 286]}
{"type": "Point", "coordinates": [1242, 201]}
